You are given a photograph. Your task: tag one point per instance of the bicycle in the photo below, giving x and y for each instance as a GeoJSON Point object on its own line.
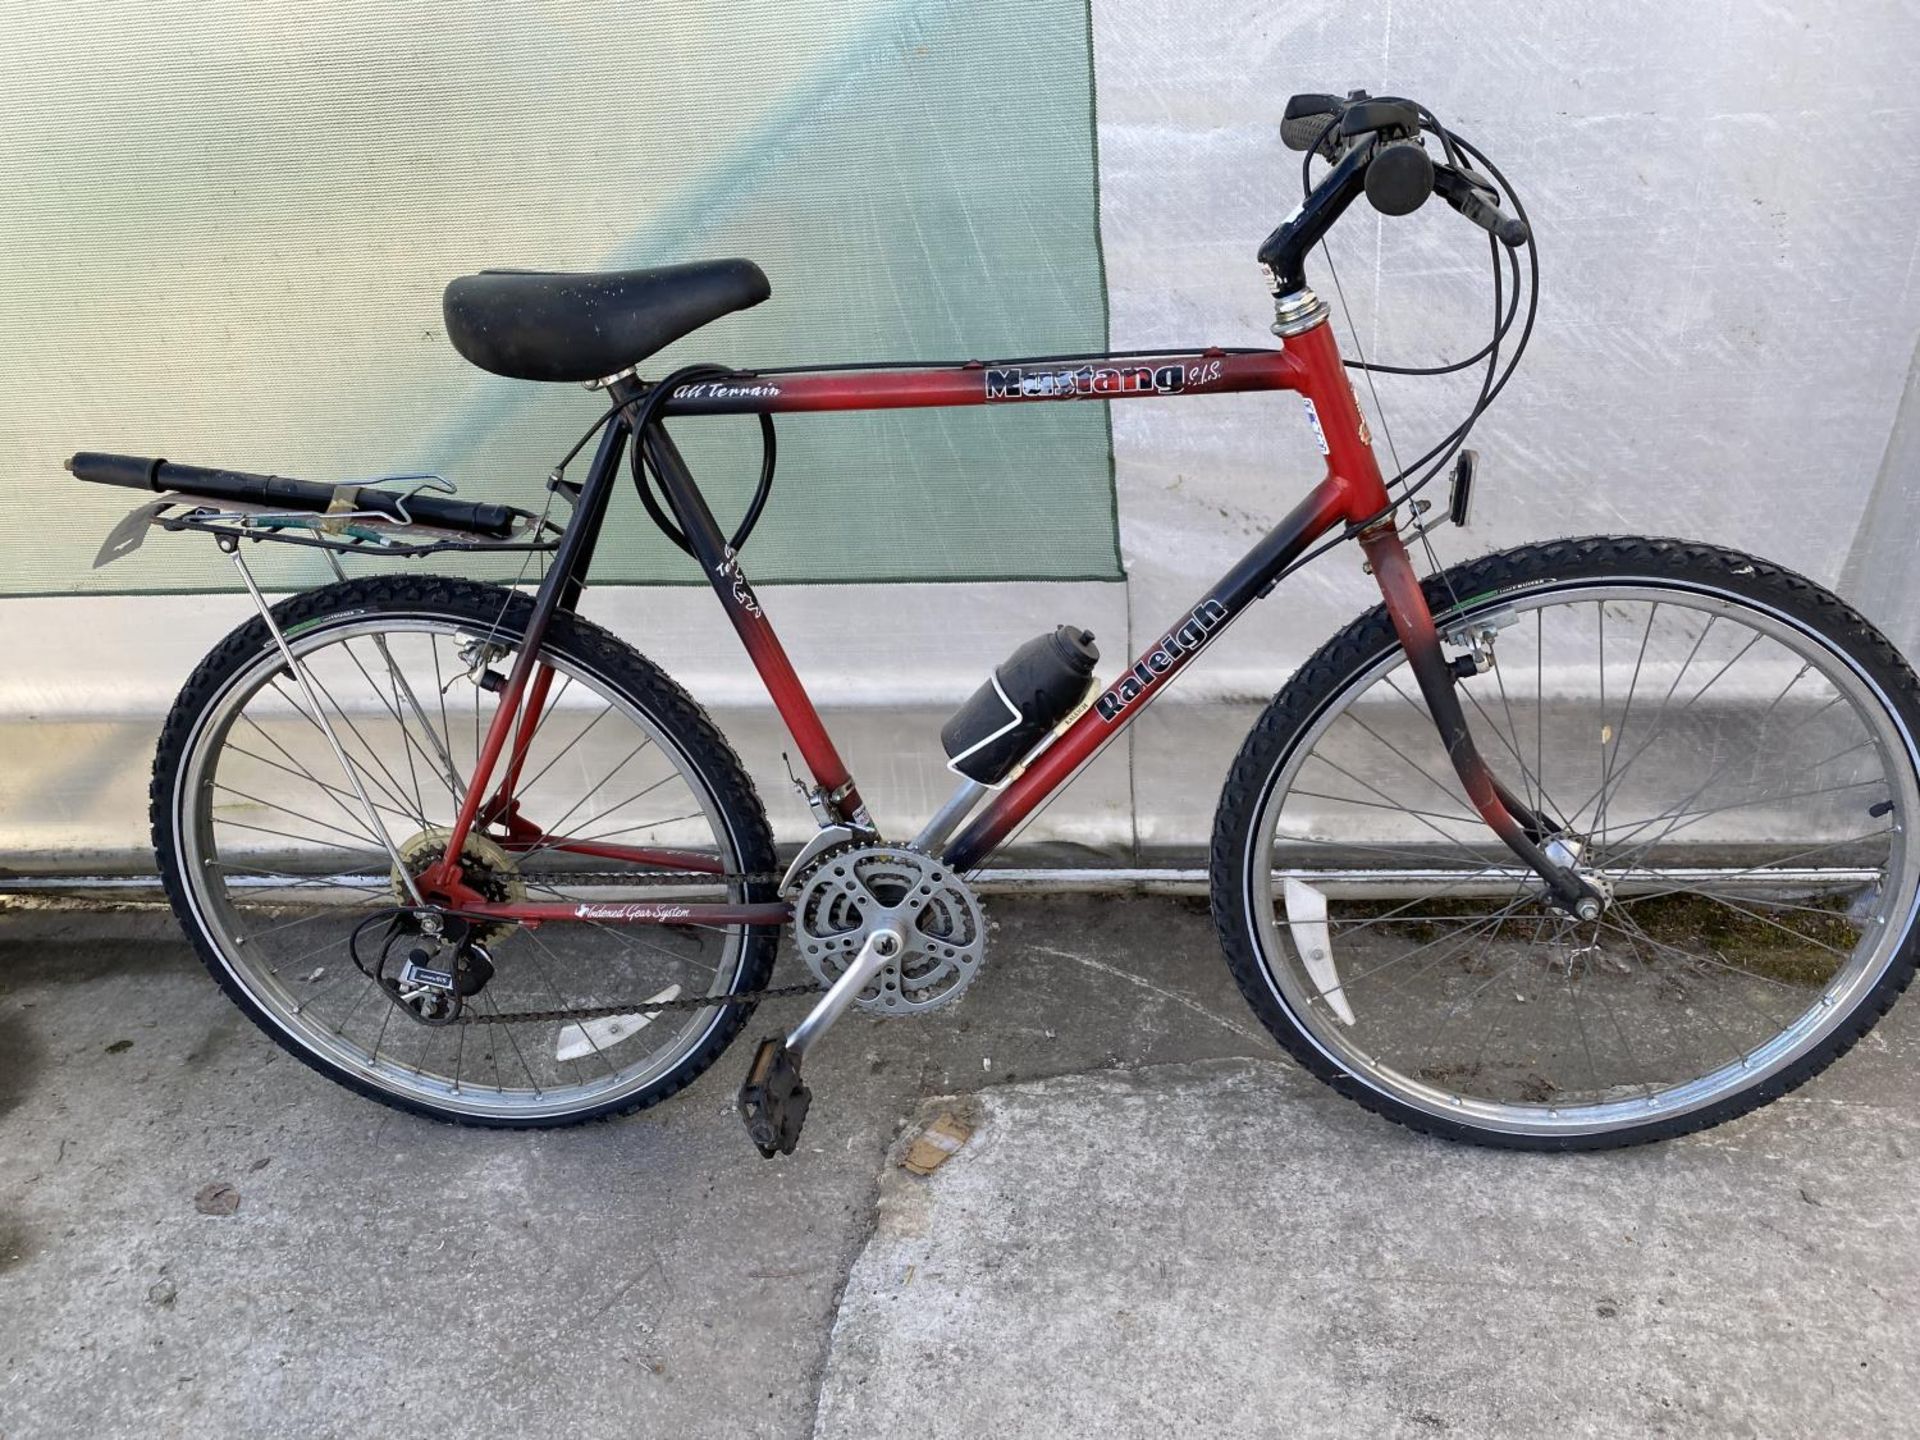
{"type": "Point", "coordinates": [1576, 845]}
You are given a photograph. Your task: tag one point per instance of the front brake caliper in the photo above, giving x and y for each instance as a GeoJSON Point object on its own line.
{"type": "Point", "coordinates": [1476, 637]}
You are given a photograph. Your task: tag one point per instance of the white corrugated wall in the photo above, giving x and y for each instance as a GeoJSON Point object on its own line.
{"type": "Point", "coordinates": [1727, 204]}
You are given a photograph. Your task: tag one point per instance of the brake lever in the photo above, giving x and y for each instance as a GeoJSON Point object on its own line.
{"type": "Point", "coordinates": [1474, 196]}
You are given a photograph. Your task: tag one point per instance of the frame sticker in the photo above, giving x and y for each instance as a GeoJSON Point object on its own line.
{"type": "Point", "coordinates": [1019, 382]}
{"type": "Point", "coordinates": [1175, 647]}
{"type": "Point", "coordinates": [1313, 419]}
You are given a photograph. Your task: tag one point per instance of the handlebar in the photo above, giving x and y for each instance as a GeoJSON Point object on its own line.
{"type": "Point", "coordinates": [1375, 144]}
{"type": "Point", "coordinates": [136, 472]}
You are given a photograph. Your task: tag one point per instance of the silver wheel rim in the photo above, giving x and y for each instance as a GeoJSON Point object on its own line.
{"type": "Point", "coordinates": [1309, 1003]}
{"type": "Point", "coordinates": [273, 993]}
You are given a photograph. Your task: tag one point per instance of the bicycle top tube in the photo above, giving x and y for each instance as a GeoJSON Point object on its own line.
{"type": "Point", "coordinates": [890, 386]}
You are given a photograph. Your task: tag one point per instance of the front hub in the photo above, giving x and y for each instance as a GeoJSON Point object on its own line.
{"type": "Point", "coordinates": [1566, 852]}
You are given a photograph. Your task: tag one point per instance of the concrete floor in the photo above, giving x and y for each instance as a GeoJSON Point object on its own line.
{"type": "Point", "coordinates": [1160, 1227]}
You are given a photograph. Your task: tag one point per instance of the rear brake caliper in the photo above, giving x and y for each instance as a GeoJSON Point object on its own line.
{"type": "Point", "coordinates": [478, 656]}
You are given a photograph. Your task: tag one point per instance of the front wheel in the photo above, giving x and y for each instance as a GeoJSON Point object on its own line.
{"type": "Point", "coordinates": [1722, 747]}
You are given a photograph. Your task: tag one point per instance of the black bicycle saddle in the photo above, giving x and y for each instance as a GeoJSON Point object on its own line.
{"type": "Point", "coordinates": [542, 325]}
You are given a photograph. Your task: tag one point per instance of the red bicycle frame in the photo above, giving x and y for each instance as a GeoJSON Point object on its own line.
{"type": "Point", "coordinates": [1352, 494]}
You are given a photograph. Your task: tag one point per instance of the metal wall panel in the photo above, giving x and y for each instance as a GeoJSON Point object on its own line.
{"type": "Point", "coordinates": [1728, 216]}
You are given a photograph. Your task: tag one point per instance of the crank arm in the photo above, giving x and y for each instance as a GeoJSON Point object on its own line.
{"type": "Point", "coordinates": [882, 947]}
{"type": "Point", "coordinates": [774, 1100]}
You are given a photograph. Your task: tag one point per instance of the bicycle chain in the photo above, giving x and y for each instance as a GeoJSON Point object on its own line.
{"type": "Point", "coordinates": [607, 1012]}
{"type": "Point", "coordinates": [636, 1007]}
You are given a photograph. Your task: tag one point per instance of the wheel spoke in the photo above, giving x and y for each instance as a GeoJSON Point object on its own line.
{"type": "Point", "coordinates": [1723, 748]}
{"type": "Point", "coordinates": [283, 926]}
{"type": "Point", "coordinates": [346, 799]}
{"type": "Point", "coordinates": [1633, 932]}
{"type": "Point", "coordinates": [1446, 791]}
{"type": "Point", "coordinates": [372, 780]}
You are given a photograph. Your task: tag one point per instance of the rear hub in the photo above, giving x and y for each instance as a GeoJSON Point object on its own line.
{"type": "Point", "coordinates": [486, 871]}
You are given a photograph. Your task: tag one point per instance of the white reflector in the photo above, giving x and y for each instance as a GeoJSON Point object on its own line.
{"type": "Point", "coordinates": [1307, 918]}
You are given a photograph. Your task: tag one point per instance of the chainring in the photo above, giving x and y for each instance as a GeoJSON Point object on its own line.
{"type": "Point", "coordinates": [851, 891]}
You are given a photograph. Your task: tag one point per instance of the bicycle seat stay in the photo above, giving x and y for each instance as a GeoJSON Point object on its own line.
{"type": "Point", "coordinates": [547, 325]}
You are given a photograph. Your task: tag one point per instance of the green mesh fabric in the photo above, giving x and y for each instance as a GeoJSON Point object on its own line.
{"type": "Point", "coordinates": [225, 245]}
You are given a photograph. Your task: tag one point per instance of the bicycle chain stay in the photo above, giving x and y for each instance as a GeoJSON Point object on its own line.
{"type": "Point", "coordinates": [652, 877]}
{"type": "Point", "coordinates": [604, 1012]}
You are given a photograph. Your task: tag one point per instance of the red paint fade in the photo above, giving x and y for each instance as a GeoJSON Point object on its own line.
{"type": "Point", "coordinates": [1413, 622]}
{"type": "Point", "coordinates": [789, 696]}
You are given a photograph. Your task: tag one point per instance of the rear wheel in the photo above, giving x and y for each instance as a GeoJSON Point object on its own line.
{"type": "Point", "coordinates": [1722, 747]}
{"type": "Point", "coordinates": [289, 889]}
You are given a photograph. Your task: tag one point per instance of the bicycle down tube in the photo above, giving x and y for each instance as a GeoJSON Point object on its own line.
{"type": "Point", "coordinates": [1353, 493]}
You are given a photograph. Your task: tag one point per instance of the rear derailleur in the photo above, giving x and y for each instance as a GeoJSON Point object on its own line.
{"type": "Point", "coordinates": [427, 963]}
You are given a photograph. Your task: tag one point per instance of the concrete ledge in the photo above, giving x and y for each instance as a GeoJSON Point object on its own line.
{"type": "Point", "coordinates": [1227, 1248]}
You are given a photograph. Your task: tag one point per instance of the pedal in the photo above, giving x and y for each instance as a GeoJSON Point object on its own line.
{"type": "Point", "coordinates": [773, 1102]}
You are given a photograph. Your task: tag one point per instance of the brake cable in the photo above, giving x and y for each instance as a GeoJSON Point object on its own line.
{"type": "Point", "coordinates": [648, 417]}
{"type": "Point", "coordinates": [1496, 378]}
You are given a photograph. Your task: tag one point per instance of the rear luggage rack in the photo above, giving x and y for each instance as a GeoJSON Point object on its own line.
{"type": "Point", "coordinates": [352, 515]}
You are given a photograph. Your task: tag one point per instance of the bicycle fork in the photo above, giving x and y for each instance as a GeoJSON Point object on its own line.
{"type": "Point", "coordinates": [1517, 825]}
{"type": "Point", "coordinates": [1362, 498]}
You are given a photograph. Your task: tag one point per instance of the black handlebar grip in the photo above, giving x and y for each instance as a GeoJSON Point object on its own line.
{"type": "Point", "coordinates": [1512, 232]}
{"type": "Point", "coordinates": [136, 472]}
{"type": "Point", "coordinates": [1312, 132]}
{"type": "Point", "coordinates": [1400, 179]}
